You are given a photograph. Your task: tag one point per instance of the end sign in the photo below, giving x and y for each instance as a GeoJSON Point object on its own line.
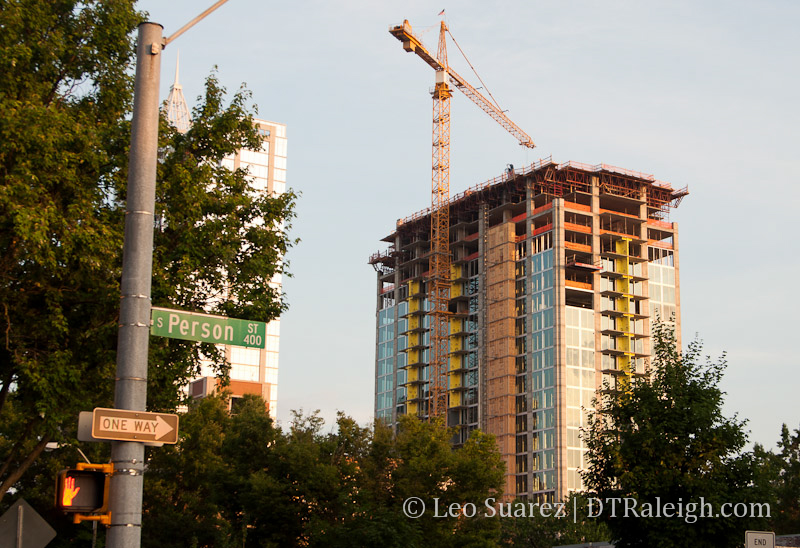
{"type": "Point", "coordinates": [759, 539]}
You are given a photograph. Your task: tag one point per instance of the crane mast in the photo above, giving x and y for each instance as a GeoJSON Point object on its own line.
{"type": "Point", "coordinates": [439, 277]}
{"type": "Point", "coordinates": [439, 263]}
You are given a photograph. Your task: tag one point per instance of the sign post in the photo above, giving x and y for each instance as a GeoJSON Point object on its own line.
{"type": "Point", "coordinates": [137, 270]}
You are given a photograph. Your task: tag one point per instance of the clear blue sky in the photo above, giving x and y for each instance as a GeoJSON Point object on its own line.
{"type": "Point", "coordinates": [698, 94]}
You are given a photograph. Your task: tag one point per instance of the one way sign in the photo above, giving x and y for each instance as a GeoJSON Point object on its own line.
{"type": "Point", "coordinates": [123, 425]}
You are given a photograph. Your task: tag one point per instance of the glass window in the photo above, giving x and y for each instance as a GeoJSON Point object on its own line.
{"type": "Point", "coordinates": [548, 439]}
{"type": "Point", "coordinates": [549, 378]}
{"type": "Point", "coordinates": [547, 397]}
{"type": "Point", "coordinates": [587, 339]}
{"type": "Point", "coordinates": [245, 356]}
{"type": "Point", "coordinates": [572, 319]}
{"type": "Point", "coordinates": [242, 372]}
{"type": "Point", "coordinates": [573, 356]}
{"type": "Point", "coordinates": [548, 318]}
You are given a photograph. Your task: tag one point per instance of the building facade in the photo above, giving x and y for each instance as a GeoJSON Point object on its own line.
{"type": "Point", "coordinates": [254, 370]}
{"type": "Point", "coordinates": [558, 271]}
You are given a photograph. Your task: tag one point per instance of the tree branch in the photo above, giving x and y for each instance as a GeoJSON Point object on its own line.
{"type": "Point", "coordinates": [24, 465]}
{"type": "Point", "coordinates": [17, 445]}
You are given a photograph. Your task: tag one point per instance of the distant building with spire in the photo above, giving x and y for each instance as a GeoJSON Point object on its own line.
{"type": "Point", "coordinates": [177, 109]}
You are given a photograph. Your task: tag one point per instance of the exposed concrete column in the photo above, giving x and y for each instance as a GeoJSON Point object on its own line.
{"type": "Point", "coordinates": [596, 300]}
{"type": "Point", "coordinates": [528, 308]}
{"type": "Point", "coordinates": [396, 333]}
{"type": "Point", "coordinates": [378, 285]}
{"type": "Point", "coordinates": [500, 374]}
{"type": "Point", "coordinates": [483, 304]}
{"type": "Point", "coordinates": [676, 260]}
{"type": "Point", "coordinates": [559, 342]}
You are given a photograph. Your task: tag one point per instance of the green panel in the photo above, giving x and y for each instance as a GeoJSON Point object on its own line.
{"type": "Point", "coordinates": [190, 326]}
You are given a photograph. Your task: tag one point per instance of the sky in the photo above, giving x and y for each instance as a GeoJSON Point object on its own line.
{"type": "Point", "coordinates": [699, 94]}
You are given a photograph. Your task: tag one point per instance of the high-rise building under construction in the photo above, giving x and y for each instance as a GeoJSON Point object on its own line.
{"type": "Point", "coordinates": [558, 271]}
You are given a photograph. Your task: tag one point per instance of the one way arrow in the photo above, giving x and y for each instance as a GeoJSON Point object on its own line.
{"type": "Point", "coordinates": [162, 428]}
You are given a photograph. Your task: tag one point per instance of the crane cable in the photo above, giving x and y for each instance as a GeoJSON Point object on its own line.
{"type": "Point", "coordinates": [464, 55]}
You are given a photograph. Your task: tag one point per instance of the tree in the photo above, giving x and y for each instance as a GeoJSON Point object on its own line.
{"type": "Point", "coordinates": [781, 476]}
{"type": "Point", "coordinates": [664, 440]}
{"type": "Point", "coordinates": [577, 525]}
{"type": "Point", "coordinates": [65, 93]}
{"type": "Point", "coordinates": [239, 481]}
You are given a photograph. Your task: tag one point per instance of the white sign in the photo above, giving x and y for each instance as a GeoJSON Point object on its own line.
{"type": "Point", "coordinates": [759, 539]}
{"type": "Point", "coordinates": [124, 425]}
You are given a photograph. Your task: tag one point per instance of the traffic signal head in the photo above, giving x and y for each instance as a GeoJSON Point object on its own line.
{"type": "Point", "coordinates": [82, 491]}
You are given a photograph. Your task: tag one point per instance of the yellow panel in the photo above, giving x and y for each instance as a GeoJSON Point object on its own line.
{"type": "Point", "coordinates": [623, 304]}
{"type": "Point", "coordinates": [622, 247]}
{"type": "Point", "coordinates": [413, 357]}
{"type": "Point", "coordinates": [621, 266]}
{"type": "Point", "coordinates": [413, 287]}
{"type": "Point", "coordinates": [413, 374]}
{"type": "Point", "coordinates": [455, 325]}
{"type": "Point", "coordinates": [623, 324]}
{"type": "Point", "coordinates": [455, 271]}
{"type": "Point", "coordinates": [623, 343]}
{"type": "Point", "coordinates": [456, 290]}
{"type": "Point", "coordinates": [455, 344]}
{"type": "Point", "coordinates": [413, 322]}
{"type": "Point", "coordinates": [455, 399]}
{"type": "Point", "coordinates": [412, 408]}
{"type": "Point", "coordinates": [413, 305]}
{"type": "Point", "coordinates": [413, 391]}
{"type": "Point", "coordinates": [455, 380]}
{"type": "Point", "coordinates": [623, 286]}
{"type": "Point", "coordinates": [455, 362]}
{"type": "Point", "coordinates": [413, 339]}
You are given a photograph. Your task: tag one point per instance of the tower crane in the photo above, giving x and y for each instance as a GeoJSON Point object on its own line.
{"type": "Point", "coordinates": [439, 277]}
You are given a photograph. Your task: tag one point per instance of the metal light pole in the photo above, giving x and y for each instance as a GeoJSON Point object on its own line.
{"type": "Point", "coordinates": [137, 269]}
{"type": "Point", "coordinates": [130, 393]}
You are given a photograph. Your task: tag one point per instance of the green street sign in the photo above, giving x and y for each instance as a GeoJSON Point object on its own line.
{"type": "Point", "coordinates": [191, 326]}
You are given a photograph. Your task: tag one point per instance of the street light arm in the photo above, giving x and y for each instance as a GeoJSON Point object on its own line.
{"type": "Point", "coordinates": [192, 23]}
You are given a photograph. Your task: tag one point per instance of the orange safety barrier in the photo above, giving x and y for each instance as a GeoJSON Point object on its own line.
{"type": "Point", "coordinates": [578, 228]}
{"type": "Point", "coordinates": [661, 224]}
{"type": "Point", "coordinates": [580, 207]}
{"type": "Point", "coordinates": [658, 243]}
{"type": "Point", "coordinates": [579, 285]}
{"type": "Point", "coordinates": [578, 247]}
{"type": "Point", "coordinates": [539, 209]}
{"type": "Point", "coordinates": [519, 217]}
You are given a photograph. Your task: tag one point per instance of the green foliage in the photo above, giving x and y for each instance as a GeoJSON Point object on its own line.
{"type": "Point", "coordinates": [665, 440]}
{"type": "Point", "coordinates": [238, 481]}
{"type": "Point", "coordinates": [542, 528]}
{"type": "Point", "coordinates": [65, 98]}
{"type": "Point", "coordinates": [780, 473]}
{"type": "Point", "coordinates": [64, 92]}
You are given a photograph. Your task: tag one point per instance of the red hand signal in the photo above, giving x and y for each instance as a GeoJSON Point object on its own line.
{"type": "Point", "coordinates": [70, 491]}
